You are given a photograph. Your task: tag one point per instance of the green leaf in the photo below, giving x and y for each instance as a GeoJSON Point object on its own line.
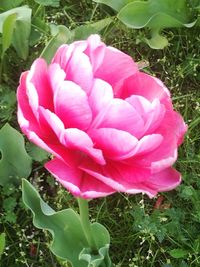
{"type": "Point", "coordinates": [22, 29]}
{"type": "Point", "coordinates": [36, 152]}
{"type": "Point", "coordinates": [96, 260]}
{"type": "Point", "coordinates": [38, 28]}
{"type": "Point", "coordinates": [61, 37]}
{"type": "Point", "coordinates": [8, 28]}
{"type": "Point", "coordinates": [2, 243]}
{"type": "Point", "coordinates": [7, 4]}
{"type": "Point", "coordinates": [156, 15]}
{"type": "Point", "coordinates": [69, 242]}
{"type": "Point", "coordinates": [115, 4]}
{"type": "Point", "coordinates": [84, 31]}
{"type": "Point", "coordinates": [53, 3]}
{"type": "Point", "coordinates": [157, 41]}
{"type": "Point", "coordinates": [178, 253]}
{"type": "Point", "coordinates": [15, 162]}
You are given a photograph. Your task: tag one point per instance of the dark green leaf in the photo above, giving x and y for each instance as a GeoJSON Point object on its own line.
{"type": "Point", "coordinates": [15, 162]}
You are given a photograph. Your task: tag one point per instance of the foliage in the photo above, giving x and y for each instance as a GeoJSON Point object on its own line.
{"type": "Point", "coordinates": [156, 15]}
{"type": "Point", "coordinates": [13, 156]}
{"type": "Point", "coordinates": [65, 227]}
{"type": "Point", "coordinates": [15, 26]}
{"type": "Point", "coordinates": [169, 235]}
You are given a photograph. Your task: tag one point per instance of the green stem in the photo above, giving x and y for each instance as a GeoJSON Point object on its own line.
{"type": "Point", "coordinates": [84, 215]}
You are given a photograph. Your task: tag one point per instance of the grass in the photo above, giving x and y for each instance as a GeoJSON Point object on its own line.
{"type": "Point", "coordinates": [143, 232]}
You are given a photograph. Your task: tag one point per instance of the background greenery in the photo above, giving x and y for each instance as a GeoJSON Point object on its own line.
{"type": "Point", "coordinates": [164, 231]}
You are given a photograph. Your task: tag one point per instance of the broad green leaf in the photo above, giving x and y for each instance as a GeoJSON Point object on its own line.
{"type": "Point", "coordinates": [8, 28]}
{"type": "Point", "coordinates": [62, 36]}
{"type": "Point", "coordinates": [15, 163]}
{"type": "Point", "coordinates": [178, 253]}
{"type": "Point", "coordinates": [21, 32]}
{"type": "Point", "coordinates": [53, 3]}
{"type": "Point", "coordinates": [69, 242]}
{"type": "Point", "coordinates": [2, 243]}
{"type": "Point", "coordinates": [156, 15]}
{"type": "Point", "coordinates": [82, 32]}
{"type": "Point", "coordinates": [115, 4]}
{"type": "Point", "coordinates": [9, 4]}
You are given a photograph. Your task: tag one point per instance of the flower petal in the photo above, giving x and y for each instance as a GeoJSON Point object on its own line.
{"type": "Point", "coordinates": [79, 70]}
{"type": "Point", "coordinates": [120, 177]}
{"type": "Point", "coordinates": [101, 95]}
{"type": "Point", "coordinates": [165, 180]}
{"type": "Point", "coordinates": [144, 85]}
{"type": "Point", "coordinates": [72, 107]}
{"type": "Point", "coordinates": [39, 79]}
{"type": "Point", "coordinates": [115, 144]}
{"type": "Point", "coordinates": [115, 67]}
{"type": "Point", "coordinates": [122, 116]}
{"type": "Point", "coordinates": [25, 112]}
{"type": "Point", "coordinates": [76, 181]}
{"type": "Point", "coordinates": [76, 139]}
{"type": "Point", "coordinates": [95, 51]}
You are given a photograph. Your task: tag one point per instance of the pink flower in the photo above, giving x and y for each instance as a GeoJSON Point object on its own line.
{"type": "Point", "coordinates": [110, 127]}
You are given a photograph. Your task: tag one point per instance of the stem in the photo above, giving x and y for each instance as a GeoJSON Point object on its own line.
{"type": "Point", "coordinates": [84, 215]}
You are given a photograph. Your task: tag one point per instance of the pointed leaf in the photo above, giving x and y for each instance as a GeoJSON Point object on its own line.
{"type": "Point", "coordinates": [62, 36]}
{"type": "Point", "coordinates": [82, 32]}
{"type": "Point", "coordinates": [15, 163]}
{"type": "Point", "coordinates": [22, 29]}
{"type": "Point", "coordinates": [8, 28]}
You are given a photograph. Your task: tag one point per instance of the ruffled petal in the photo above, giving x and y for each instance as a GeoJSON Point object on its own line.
{"type": "Point", "coordinates": [95, 51]}
{"type": "Point", "coordinates": [76, 181]}
{"type": "Point", "coordinates": [122, 116]}
{"type": "Point", "coordinates": [76, 139]}
{"type": "Point", "coordinates": [38, 79]}
{"type": "Point", "coordinates": [120, 177]}
{"type": "Point", "coordinates": [72, 107]}
{"type": "Point", "coordinates": [100, 97]}
{"type": "Point", "coordinates": [144, 85]}
{"type": "Point", "coordinates": [115, 144]}
{"type": "Point", "coordinates": [116, 66]}
{"type": "Point", "coordinates": [165, 180]}
{"type": "Point", "coordinates": [79, 70]}
{"type": "Point", "coordinates": [26, 117]}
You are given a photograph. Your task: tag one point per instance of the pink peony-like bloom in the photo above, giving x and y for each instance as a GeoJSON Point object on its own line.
{"type": "Point", "coordinates": [110, 127]}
